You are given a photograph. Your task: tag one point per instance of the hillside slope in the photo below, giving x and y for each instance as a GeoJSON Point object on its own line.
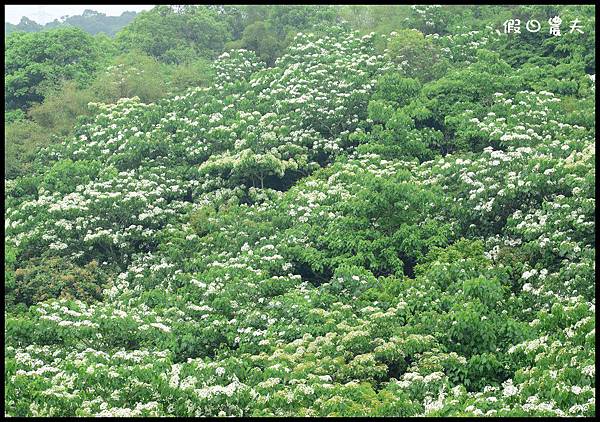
{"type": "Point", "coordinates": [322, 237]}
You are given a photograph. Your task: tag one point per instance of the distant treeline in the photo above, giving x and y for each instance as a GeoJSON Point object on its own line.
{"type": "Point", "coordinates": [90, 21]}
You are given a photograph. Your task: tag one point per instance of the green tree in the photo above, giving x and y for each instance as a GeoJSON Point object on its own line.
{"type": "Point", "coordinates": [58, 113]}
{"type": "Point", "coordinates": [22, 139]}
{"type": "Point", "coordinates": [418, 56]}
{"type": "Point", "coordinates": [176, 34]}
{"type": "Point", "coordinates": [262, 39]}
{"type": "Point", "coordinates": [35, 62]}
{"type": "Point", "coordinates": [131, 74]}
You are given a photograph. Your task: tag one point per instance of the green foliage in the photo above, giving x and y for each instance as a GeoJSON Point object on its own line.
{"type": "Point", "coordinates": [45, 278]}
{"type": "Point", "coordinates": [189, 75]}
{"type": "Point", "coordinates": [381, 18]}
{"type": "Point", "coordinates": [22, 139]}
{"type": "Point", "coordinates": [11, 116]}
{"type": "Point", "coordinates": [262, 39]}
{"type": "Point", "coordinates": [174, 34]}
{"type": "Point", "coordinates": [472, 89]}
{"type": "Point", "coordinates": [61, 108]}
{"type": "Point", "coordinates": [131, 75]}
{"type": "Point", "coordinates": [394, 87]}
{"type": "Point", "coordinates": [418, 56]}
{"type": "Point", "coordinates": [65, 175]}
{"type": "Point", "coordinates": [270, 35]}
{"type": "Point", "coordinates": [35, 62]}
{"type": "Point", "coordinates": [10, 255]}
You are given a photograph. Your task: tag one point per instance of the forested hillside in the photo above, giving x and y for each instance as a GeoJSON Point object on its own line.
{"type": "Point", "coordinates": [384, 212]}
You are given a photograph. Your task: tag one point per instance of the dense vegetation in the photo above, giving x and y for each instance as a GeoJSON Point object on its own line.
{"type": "Point", "coordinates": [51, 76]}
{"type": "Point", "coordinates": [396, 222]}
